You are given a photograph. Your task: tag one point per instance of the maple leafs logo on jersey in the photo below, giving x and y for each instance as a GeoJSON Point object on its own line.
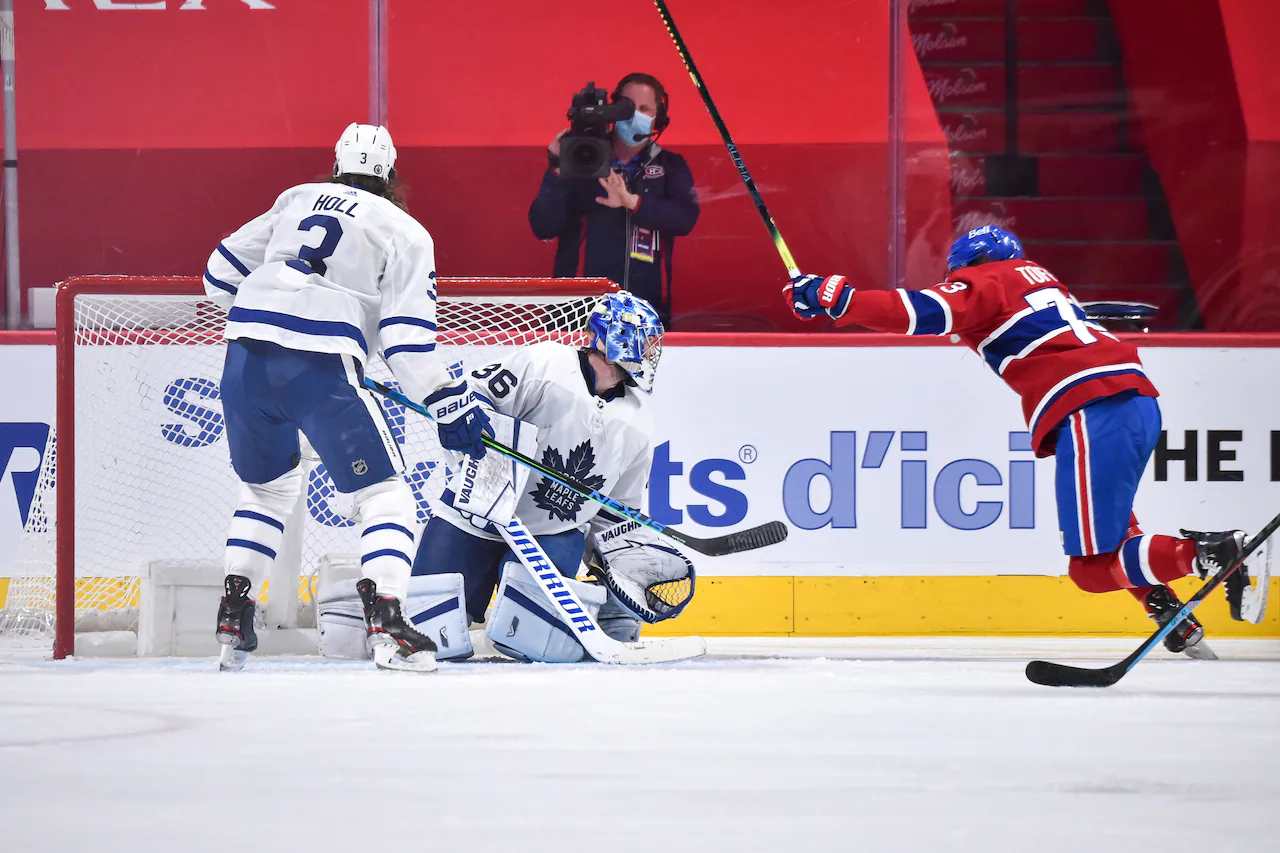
{"type": "Point", "coordinates": [558, 501]}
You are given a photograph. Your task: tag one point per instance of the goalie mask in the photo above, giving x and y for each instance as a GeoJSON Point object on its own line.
{"type": "Point", "coordinates": [365, 149]}
{"type": "Point", "coordinates": [626, 329]}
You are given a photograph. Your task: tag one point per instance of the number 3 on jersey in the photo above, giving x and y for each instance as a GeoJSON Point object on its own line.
{"type": "Point", "coordinates": [314, 257]}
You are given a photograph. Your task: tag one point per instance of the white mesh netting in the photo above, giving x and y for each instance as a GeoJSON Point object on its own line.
{"type": "Point", "coordinates": [153, 480]}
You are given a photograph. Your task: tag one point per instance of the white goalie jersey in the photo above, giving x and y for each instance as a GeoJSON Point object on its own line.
{"type": "Point", "coordinates": [606, 444]}
{"type": "Point", "coordinates": [332, 268]}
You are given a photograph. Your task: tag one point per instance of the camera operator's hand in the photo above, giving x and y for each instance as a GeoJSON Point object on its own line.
{"type": "Point", "coordinates": [553, 153]}
{"type": "Point", "coordinates": [554, 147]}
{"type": "Point", "coordinates": [618, 194]}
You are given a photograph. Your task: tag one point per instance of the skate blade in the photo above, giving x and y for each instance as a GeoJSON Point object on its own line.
{"type": "Point", "coordinates": [1200, 651]}
{"type": "Point", "coordinates": [385, 656]}
{"type": "Point", "coordinates": [231, 659]}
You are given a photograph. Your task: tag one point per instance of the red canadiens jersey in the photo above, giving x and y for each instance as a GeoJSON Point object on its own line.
{"type": "Point", "coordinates": [1028, 329]}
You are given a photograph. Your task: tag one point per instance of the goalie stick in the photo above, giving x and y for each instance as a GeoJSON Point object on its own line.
{"type": "Point", "coordinates": [769, 533]}
{"type": "Point", "coordinates": [598, 644]}
{"type": "Point", "coordinates": [1062, 675]}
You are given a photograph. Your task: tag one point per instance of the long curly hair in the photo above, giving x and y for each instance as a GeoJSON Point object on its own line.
{"type": "Point", "coordinates": [389, 189]}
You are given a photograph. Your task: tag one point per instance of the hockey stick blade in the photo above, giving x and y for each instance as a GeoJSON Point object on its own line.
{"type": "Point", "coordinates": [1052, 674]}
{"type": "Point", "coordinates": [662, 650]}
{"type": "Point", "coordinates": [770, 533]}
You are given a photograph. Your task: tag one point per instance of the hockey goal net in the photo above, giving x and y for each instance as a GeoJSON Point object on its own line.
{"type": "Point", "coordinates": [137, 471]}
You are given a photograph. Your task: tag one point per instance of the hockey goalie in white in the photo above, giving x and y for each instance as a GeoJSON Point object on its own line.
{"type": "Point", "coordinates": [332, 272]}
{"type": "Point", "coordinates": [582, 411]}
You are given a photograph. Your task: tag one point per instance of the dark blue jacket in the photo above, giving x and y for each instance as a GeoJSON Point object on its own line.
{"type": "Point", "coordinates": [566, 210]}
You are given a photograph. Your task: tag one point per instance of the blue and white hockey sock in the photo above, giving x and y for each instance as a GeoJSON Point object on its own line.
{"type": "Point", "coordinates": [253, 541]}
{"type": "Point", "coordinates": [389, 514]}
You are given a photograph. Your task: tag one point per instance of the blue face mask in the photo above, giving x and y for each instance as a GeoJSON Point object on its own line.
{"type": "Point", "coordinates": [638, 125]}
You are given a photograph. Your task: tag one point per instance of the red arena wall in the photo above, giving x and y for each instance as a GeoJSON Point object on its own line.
{"type": "Point", "coordinates": [146, 134]}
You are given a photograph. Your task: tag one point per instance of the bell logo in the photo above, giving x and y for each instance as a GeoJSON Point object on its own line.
{"type": "Point", "coordinates": [155, 5]}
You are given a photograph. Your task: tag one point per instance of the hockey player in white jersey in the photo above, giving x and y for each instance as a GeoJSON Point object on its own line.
{"type": "Point", "coordinates": [331, 273]}
{"type": "Point", "coordinates": [583, 411]}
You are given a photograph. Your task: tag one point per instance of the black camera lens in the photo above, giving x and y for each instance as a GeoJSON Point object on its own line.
{"type": "Point", "coordinates": [585, 158]}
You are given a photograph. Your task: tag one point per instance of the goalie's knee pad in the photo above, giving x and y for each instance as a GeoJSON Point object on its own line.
{"type": "Point", "coordinates": [618, 622]}
{"type": "Point", "coordinates": [526, 626]}
{"type": "Point", "coordinates": [340, 620]}
{"type": "Point", "coordinates": [437, 606]}
{"type": "Point", "coordinates": [388, 521]}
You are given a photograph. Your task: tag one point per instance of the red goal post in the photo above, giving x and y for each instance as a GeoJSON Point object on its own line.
{"type": "Point", "coordinates": [121, 338]}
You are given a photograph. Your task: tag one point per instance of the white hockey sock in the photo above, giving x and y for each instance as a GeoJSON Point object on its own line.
{"type": "Point", "coordinates": [257, 527]}
{"type": "Point", "coordinates": [388, 515]}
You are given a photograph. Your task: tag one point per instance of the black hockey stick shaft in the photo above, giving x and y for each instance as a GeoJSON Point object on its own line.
{"type": "Point", "coordinates": [770, 533]}
{"type": "Point", "coordinates": [1062, 675]}
{"type": "Point", "coordinates": [723, 130]}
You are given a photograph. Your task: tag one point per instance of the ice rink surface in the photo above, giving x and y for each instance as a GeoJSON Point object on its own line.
{"type": "Point", "coordinates": [763, 745]}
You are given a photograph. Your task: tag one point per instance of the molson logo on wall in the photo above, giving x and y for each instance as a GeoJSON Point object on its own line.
{"type": "Point", "coordinates": [946, 37]}
{"type": "Point", "coordinates": [967, 176]}
{"type": "Point", "coordinates": [967, 129]}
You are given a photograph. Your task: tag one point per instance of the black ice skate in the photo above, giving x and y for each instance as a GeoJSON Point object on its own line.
{"type": "Point", "coordinates": [1187, 635]}
{"type": "Point", "coordinates": [395, 643]}
{"type": "Point", "coordinates": [235, 624]}
{"type": "Point", "coordinates": [1217, 551]}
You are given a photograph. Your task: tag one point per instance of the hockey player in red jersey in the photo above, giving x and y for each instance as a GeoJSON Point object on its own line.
{"type": "Point", "coordinates": [1086, 399]}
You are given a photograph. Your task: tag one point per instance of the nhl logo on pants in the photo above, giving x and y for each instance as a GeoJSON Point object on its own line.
{"type": "Point", "coordinates": [360, 467]}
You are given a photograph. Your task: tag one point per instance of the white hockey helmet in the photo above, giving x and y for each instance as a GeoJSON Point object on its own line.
{"type": "Point", "coordinates": [365, 149]}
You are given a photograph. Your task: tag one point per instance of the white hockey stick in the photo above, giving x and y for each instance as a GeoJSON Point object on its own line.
{"type": "Point", "coordinates": [598, 644]}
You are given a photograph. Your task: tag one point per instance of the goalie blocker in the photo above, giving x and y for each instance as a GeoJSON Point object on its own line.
{"type": "Point", "coordinates": [634, 578]}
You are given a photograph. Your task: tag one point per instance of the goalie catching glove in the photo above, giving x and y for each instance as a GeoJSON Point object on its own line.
{"type": "Point", "coordinates": [812, 296]}
{"type": "Point", "coordinates": [644, 574]}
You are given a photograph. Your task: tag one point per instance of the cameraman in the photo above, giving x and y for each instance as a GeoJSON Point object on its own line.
{"type": "Point", "coordinates": [633, 216]}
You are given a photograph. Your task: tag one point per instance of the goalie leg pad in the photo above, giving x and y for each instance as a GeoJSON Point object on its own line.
{"type": "Point", "coordinates": [257, 526]}
{"type": "Point", "coordinates": [444, 548]}
{"type": "Point", "coordinates": [340, 621]}
{"type": "Point", "coordinates": [437, 606]}
{"type": "Point", "coordinates": [525, 626]}
{"type": "Point", "coordinates": [618, 622]}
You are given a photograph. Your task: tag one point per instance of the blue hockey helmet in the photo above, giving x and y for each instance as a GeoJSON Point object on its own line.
{"type": "Point", "coordinates": [626, 329]}
{"type": "Point", "coordinates": [988, 243]}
